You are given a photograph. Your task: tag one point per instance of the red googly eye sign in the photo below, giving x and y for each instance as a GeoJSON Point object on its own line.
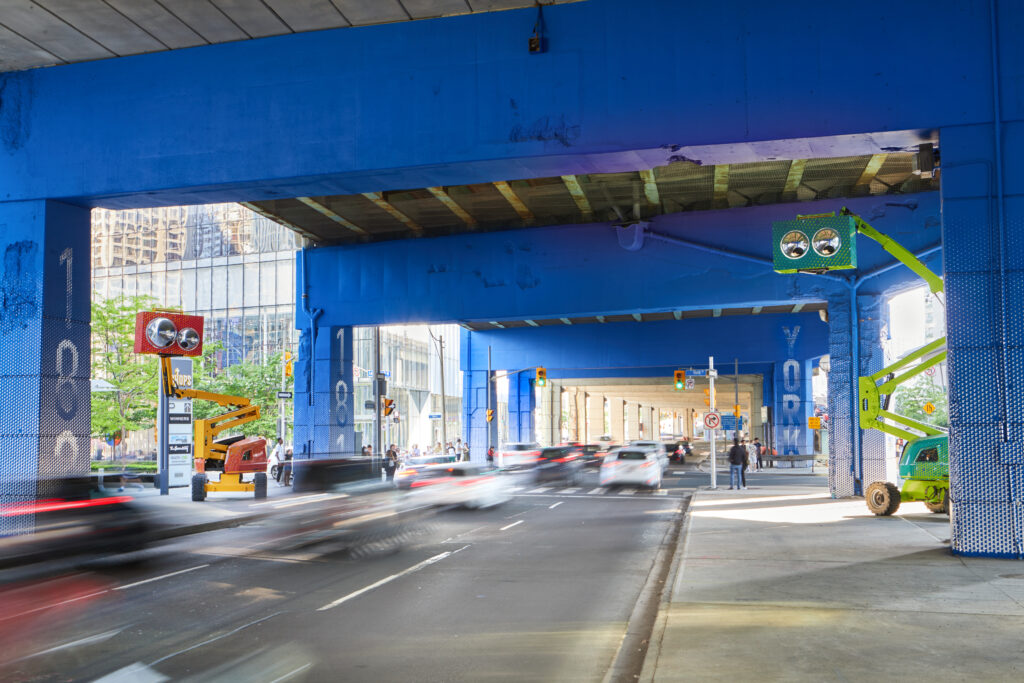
{"type": "Point", "coordinates": [168, 334]}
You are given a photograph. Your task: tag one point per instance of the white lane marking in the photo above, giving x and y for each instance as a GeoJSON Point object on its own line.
{"type": "Point", "coordinates": [539, 489]}
{"type": "Point", "coordinates": [509, 526]}
{"type": "Point", "coordinates": [216, 638]}
{"type": "Point", "coordinates": [599, 489]}
{"type": "Point", "coordinates": [88, 640]}
{"type": "Point", "coordinates": [54, 604]}
{"type": "Point", "coordinates": [278, 502]}
{"type": "Point", "coordinates": [293, 503]}
{"type": "Point", "coordinates": [388, 579]}
{"type": "Point", "coordinates": [552, 507]}
{"type": "Point", "coordinates": [292, 673]}
{"type": "Point", "coordinates": [571, 489]}
{"type": "Point", "coordinates": [158, 578]}
{"type": "Point", "coordinates": [133, 673]}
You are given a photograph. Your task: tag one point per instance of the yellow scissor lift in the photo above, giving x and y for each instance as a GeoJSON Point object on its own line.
{"type": "Point", "coordinates": [233, 456]}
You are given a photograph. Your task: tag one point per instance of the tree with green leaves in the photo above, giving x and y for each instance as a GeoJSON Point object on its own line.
{"type": "Point", "coordinates": [259, 382]}
{"type": "Point", "coordinates": [912, 398]}
{"type": "Point", "coordinates": [130, 402]}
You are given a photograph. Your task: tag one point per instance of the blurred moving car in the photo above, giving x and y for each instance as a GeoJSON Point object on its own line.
{"type": "Point", "coordinates": [593, 454]}
{"type": "Point", "coordinates": [514, 456]}
{"type": "Point", "coordinates": [71, 516]}
{"type": "Point", "coordinates": [674, 450]}
{"type": "Point", "coordinates": [343, 502]}
{"type": "Point", "coordinates": [658, 448]}
{"type": "Point", "coordinates": [468, 484]}
{"type": "Point", "coordinates": [560, 463]}
{"type": "Point", "coordinates": [632, 465]}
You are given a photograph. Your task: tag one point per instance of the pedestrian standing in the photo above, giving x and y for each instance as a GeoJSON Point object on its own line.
{"type": "Point", "coordinates": [465, 452]}
{"type": "Point", "coordinates": [737, 456]}
{"type": "Point", "coordinates": [276, 462]}
{"type": "Point", "coordinates": [490, 456]}
{"type": "Point", "coordinates": [757, 453]}
{"type": "Point", "coordinates": [752, 451]}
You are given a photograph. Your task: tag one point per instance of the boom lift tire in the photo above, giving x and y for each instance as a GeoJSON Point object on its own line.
{"type": "Point", "coordinates": [198, 487]}
{"type": "Point", "coordinates": [941, 507]}
{"type": "Point", "coordinates": [260, 480]}
{"type": "Point", "coordinates": [883, 498]}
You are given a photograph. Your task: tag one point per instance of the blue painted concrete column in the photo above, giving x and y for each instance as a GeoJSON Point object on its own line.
{"type": "Point", "coordinates": [873, 319]}
{"type": "Point", "coordinates": [844, 473]}
{"type": "Point", "coordinates": [325, 395]}
{"type": "Point", "coordinates": [794, 403]}
{"type": "Point", "coordinates": [475, 385]}
{"type": "Point", "coordinates": [44, 345]}
{"type": "Point", "coordinates": [982, 219]}
{"type": "Point", "coordinates": [521, 404]}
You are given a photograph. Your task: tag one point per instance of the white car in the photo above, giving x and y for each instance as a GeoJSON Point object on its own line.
{"type": "Point", "coordinates": [632, 466]}
{"type": "Point", "coordinates": [658, 447]}
{"type": "Point", "coordinates": [470, 485]}
{"type": "Point", "coordinates": [518, 456]}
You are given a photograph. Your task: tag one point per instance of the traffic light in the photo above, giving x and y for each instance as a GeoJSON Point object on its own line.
{"type": "Point", "coordinates": [736, 410]}
{"type": "Point", "coordinates": [490, 414]}
{"type": "Point", "coordinates": [389, 406]}
{"type": "Point", "coordinates": [680, 380]}
{"type": "Point", "coordinates": [287, 363]}
{"type": "Point", "coordinates": [542, 377]}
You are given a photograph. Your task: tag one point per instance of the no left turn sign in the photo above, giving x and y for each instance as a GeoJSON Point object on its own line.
{"type": "Point", "coordinates": [712, 420]}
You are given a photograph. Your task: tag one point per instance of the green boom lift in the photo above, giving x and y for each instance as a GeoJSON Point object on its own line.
{"type": "Point", "coordinates": [924, 463]}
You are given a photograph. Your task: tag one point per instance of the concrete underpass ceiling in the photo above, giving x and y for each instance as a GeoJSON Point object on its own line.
{"type": "Point", "coordinates": [678, 187]}
{"type": "Point", "coordinates": [648, 317]}
{"type": "Point", "coordinates": [35, 33]}
{"type": "Point", "coordinates": [661, 394]}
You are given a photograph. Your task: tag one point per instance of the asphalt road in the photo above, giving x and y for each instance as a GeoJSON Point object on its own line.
{"type": "Point", "coordinates": [540, 588]}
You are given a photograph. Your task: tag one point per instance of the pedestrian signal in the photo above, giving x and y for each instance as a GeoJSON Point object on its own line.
{"type": "Point", "coordinates": [389, 406]}
{"type": "Point", "coordinates": [490, 415]}
{"type": "Point", "coordinates": [542, 377]}
{"type": "Point", "coordinates": [680, 380]}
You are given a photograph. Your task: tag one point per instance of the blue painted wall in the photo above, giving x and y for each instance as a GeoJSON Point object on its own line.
{"type": "Point", "coordinates": [460, 100]}
{"type": "Point", "coordinates": [780, 347]}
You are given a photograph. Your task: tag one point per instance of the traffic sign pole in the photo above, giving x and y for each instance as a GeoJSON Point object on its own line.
{"type": "Point", "coordinates": [711, 381]}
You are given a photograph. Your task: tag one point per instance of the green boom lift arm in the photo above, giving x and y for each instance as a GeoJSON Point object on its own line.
{"type": "Point", "coordinates": [876, 389]}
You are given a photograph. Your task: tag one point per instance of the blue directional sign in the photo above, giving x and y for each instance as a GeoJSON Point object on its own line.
{"type": "Point", "coordinates": [729, 423]}
{"type": "Point", "coordinates": [696, 373]}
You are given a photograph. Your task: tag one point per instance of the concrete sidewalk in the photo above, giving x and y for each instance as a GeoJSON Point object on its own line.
{"type": "Point", "coordinates": [786, 584]}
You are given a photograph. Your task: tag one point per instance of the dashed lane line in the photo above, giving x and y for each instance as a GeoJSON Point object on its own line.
{"type": "Point", "coordinates": [509, 526]}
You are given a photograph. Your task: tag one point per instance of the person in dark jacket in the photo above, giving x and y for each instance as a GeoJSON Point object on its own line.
{"type": "Point", "coordinates": [737, 459]}
{"type": "Point", "coordinates": [391, 463]}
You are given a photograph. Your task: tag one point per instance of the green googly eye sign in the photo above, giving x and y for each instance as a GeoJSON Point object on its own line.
{"type": "Point", "coordinates": [814, 244]}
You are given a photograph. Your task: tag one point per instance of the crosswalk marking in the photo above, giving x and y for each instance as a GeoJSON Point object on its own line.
{"type": "Point", "coordinates": [599, 489]}
{"type": "Point", "coordinates": [626, 492]}
{"type": "Point", "coordinates": [539, 489]}
{"type": "Point", "coordinates": [571, 489]}
{"type": "Point", "coordinates": [661, 492]}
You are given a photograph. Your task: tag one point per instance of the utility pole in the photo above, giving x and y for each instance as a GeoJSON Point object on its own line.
{"type": "Point", "coordinates": [711, 382]}
{"type": "Point", "coordinates": [736, 395]}
{"type": "Point", "coordinates": [377, 394]}
{"type": "Point", "coordinates": [487, 423]}
{"type": "Point", "coordinates": [439, 340]}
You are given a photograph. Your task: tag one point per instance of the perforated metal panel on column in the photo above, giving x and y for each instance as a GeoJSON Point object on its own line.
{"type": "Point", "coordinates": [841, 403]}
{"type": "Point", "coordinates": [44, 349]}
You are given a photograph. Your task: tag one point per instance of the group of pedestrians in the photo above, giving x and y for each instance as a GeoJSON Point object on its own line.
{"type": "Point", "coordinates": [744, 455]}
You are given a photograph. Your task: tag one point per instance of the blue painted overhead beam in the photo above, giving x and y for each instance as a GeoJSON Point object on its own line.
{"type": "Point", "coordinates": [580, 270]}
{"type": "Point", "coordinates": [460, 100]}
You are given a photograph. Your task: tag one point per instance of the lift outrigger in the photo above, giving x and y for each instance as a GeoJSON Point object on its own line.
{"type": "Point", "coordinates": [233, 456]}
{"type": "Point", "coordinates": [924, 463]}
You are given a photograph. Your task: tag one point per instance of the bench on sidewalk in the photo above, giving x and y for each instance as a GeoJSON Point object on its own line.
{"type": "Point", "coordinates": [791, 459]}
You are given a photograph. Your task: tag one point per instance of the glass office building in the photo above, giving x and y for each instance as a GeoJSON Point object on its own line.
{"type": "Point", "coordinates": [237, 269]}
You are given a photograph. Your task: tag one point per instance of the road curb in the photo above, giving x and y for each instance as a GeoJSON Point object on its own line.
{"type": "Point", "coordinates": [177, 532]}
{"type": "Point", "coordinates": [650, 665]}
{"type": "Point", "coordinates": [633, 652]}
